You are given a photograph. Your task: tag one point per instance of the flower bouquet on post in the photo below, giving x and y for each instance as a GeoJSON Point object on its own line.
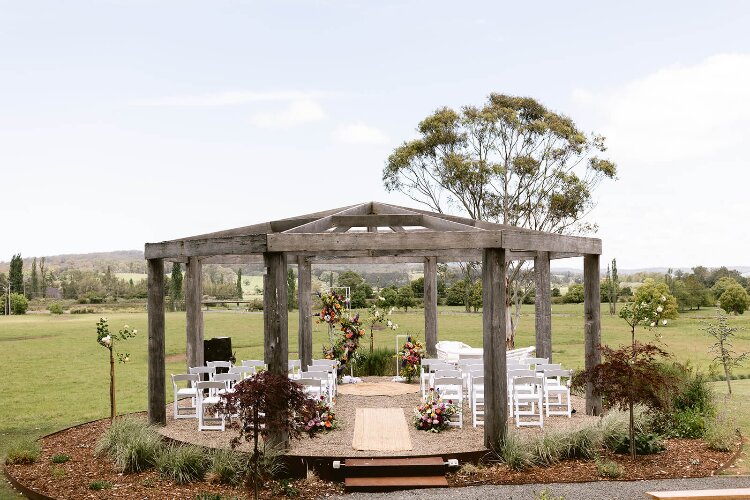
{"type": "Point", "coordinates": [434, 414]}
{"type": "Point", "coordinates": [410, 357]}
{"type": "Point", "coordinates": [346, 345]}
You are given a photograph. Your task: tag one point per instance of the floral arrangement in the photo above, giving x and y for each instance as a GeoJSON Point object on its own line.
{"type": "Point", "coordinates": [346, 345]}
{"type": "Point", "coordinates": [107, 339]}
{"type": "Point", "coordinates": [333, 304]}
{"type": "Point", "coordinates": [410, 357]}
{"type": "Point", "coordinates": [434, 414]}
{"type": "Point", "coordinates": [318, 416]}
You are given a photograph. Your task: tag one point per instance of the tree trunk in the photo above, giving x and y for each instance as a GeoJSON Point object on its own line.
{"type": "Point", "coordinates": [113, 411]}
{"type": "Point", "coordinates": [631, 432]}
{"type": "Point", "coordinates": [726, 373]}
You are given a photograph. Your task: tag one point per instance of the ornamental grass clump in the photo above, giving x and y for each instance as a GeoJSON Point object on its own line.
{"type": "Point", "coordinates": [434, 414]}
{"type": "Point", "coordinates": [24, 453]}
{"type": "Point", "coordinates": [132, 444]}
{"type": "Point", "coordinates": [515, 453]}
{"type": "Point", "coordinates": [227, 467]}
{"type": "Point", "coordinates": [182, 463]}
{"type": "Point", "coordinates": [721, 432]}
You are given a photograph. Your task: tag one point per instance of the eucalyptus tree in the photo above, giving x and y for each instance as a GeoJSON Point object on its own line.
{"type": "Point", "coordinates": [511, 161]}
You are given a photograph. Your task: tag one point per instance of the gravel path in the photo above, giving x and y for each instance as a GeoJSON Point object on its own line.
{"type": "Point", "coordinates": [600, 490]}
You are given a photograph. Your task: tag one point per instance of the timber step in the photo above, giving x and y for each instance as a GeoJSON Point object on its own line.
{"type": "Point", "coordinates": [387, 474]}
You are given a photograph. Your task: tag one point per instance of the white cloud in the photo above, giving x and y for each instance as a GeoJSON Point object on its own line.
{"type": "Point", "coordinates": [359, 133]}
{"type": "Point", "coordinates": [679, 137]}
{"type": "Point", "coordinates": [297, 112]}
{"type": "Point", "coordinates": [229, 98]}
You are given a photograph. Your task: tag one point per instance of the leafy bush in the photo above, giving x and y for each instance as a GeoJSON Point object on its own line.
{"type": "Point", "coordinates": [182, 463]}
{"type": "Point", "coordinates": [23, 453]}
{"type": "Point", "coordinates": [645, 444]}
{"type": "Point", "coordinates": [99, 485]}
{"type": "Point", "coordinates": [227, 467]}
{"type": "Point", "coordinates": [133, 444]}
{"type": "Point", "coordinates": [60, 458]}
{"type": "Point", "coordinates": [721, 432]}
{"type": "Point", "coordinates": [687, 424]}
{"type": "Point", "coordinates": [692, 390]}
{"type": "Point", "coordinates": [19, 304]}
{"type": "Point", "coordinates": [379, 362]}
{"type": "Point", "coordinates": [608, 469]}
{"type": "Point", "coordinates": [55, 308]}
{"type": "Point", "coordinates": [82, 310]}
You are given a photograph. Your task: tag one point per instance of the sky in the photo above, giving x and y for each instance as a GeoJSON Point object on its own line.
{"type": "Point", "coordinates": [127, 121]}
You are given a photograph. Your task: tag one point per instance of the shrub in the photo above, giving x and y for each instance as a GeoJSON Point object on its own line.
{"type": "Point", "coordinates": [60, 458]}
{"type": "Point", "coordinates": [608, 469]}
{"type": "Point", "coordinates": [227, 467]}
{"type": "Point", "coordinates": [133, 444]}
{"type": "Point", "coordinates": [378, 363]}
{"type": "Point", "coordinates": [55, 308]}
{"type": "Point", "coordinates": [687, 424]}
{"type": "Point", "coordinates": [82, 310]}
{"type": "Point", "coordinates": [692, 393]}
{"type": "Point", "coordinates": [284, 488]}
{"type": "Point", "coordinates": [99, 485]}
{"type": "Point", "coordinates": [23, 454]}
{"type": "Point", "coordinates": [645, 444]}
{"type": "Point", "coordinates": [19, 304]}
{"type": "Point", "coordinates": [182, 463]}
{"type": "Point", "coordinates": [721, 432]}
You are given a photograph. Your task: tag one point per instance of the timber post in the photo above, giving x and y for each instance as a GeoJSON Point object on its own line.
{"type": "Point", "coordinates": [194, 312]}
{"type": "Point", "coordinates": [304, 300]}
{"type": "Point", "coordinates": [495, 366]}
{"type": "Point", "coordinates": [592, 327]}
{"type": "Point", "coordinates": [543, 306]}
{"type": "Point", "coordinates": [157, 399]}
{"type": "Point", "coordinates": [430, 305]}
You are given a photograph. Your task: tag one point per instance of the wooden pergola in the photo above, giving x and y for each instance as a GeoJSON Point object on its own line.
{"type": "Point", "coordinates": [374, 232]}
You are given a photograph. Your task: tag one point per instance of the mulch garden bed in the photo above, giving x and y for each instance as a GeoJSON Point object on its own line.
{"type": "Point", "coordinates": [682, 458]}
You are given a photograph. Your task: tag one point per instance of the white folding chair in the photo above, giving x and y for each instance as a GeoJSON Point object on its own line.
{"type": "Point", "coordinates": [294, 367]}
{"type": "Point", "coordinates": [477, 400]}
{"type": "Point", "coordinates": [185, 392]}
{"type": "Point", "coordinates": [219, 364]}
{"type": "Point", "coordinates": [327, 374]}
{"type": "Point", "coordinates": [229, 379]}
{"type": "Point", "coordinates": [205, 402]}
{"type": "Point", "coordinates": [528, 400]}
{"type": "Point", "coordinates": [244, 371]}
{"type": "Point", "coordinates": [557, 393]}
{"type": "Point", "coordinates": [430, 368]}
{"type": "Point", "coordinates": [544, 367]}
{"type": "Point", "coordinates": [450, 390]}
{"type": "Point", "coordinates": [313, 387]}
{"type": "Point", "coordinates": [204, 372]}
{"type": "Point", "coordinates": [513, 374]}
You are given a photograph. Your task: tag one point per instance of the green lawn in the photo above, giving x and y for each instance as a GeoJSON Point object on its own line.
{"type": "Point", "coordinates": [56, 375]}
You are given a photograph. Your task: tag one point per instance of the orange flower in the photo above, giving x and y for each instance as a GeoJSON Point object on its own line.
{"type": "Point", "coordinates": [328, 425]}
{"type": "Point", "coordinates": [349, 335]}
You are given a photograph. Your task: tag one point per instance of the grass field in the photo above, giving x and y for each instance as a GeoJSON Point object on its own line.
{"type": "Point", "coordinates": [56, 375]}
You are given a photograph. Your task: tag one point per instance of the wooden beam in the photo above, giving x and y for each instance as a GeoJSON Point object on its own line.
{"type": "Point", "coordinates": [325, 223]}
{"type": "Point", "coordinates": [397, 229]}
{"type": "Point", "coordinates": [226, 245]}
{"type": "Point", "coordinates": [383, 220]}
{"type": "Point", "coordinates": [157, 399]}
{"type": "Point", "coordinates": [304, 300]}
{"type": "Point", "coordinates": [592, 328]}
{"type": "Point", "coordinates": [548, 242]}
{"type": "Point", "coordinates": [275, 330]}
{"type": "Point", "coordinates": [430, 306]}
{"type": "Point", "coordinates": [495, 367]}
{"type": "Point", "coordinates": [341, 229]}
{"type": "Point", "coordinates": [193, 312]}
{"type": "Point", "coordinates": [291, 242]}
{"type": "Point", "coordinates": [543, 306]}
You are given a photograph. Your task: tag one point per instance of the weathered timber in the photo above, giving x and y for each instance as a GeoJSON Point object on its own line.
{"type": "Point", "coordinates": [495, 367]}
{"type": "Point", "coordinates": [291, 242]}
{"type": "Point", "coordinates": [549, 242]}
{"type": "Point", "coordinates": [430, 306]}
{"type": "Point", "coordinates": [194, 312]}
{"type": "Point", "coordinates": [383, 220]}
{"type": "Point", "coordinates": [275, 330]}
{"type": "Point", "coordinates": [341, 229]}
{"type": "Point", "coordinates": [397, 229]}
{"type": "Point", "coordinates": [304, 299]}
{"type": "Point", "coordinates": [543, 306]}
{"type": "Point", "coordinates": [225, 245]}
{"type": "Point", "coordinates": [326, 223]}
{"type": "Point", "coordinates": [592, 327]}
{"type": "Point", "coordinates": [157, 399]}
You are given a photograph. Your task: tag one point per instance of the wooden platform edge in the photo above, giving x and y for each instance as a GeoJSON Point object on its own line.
{"type": "Point", "coordinates": [714, 494]}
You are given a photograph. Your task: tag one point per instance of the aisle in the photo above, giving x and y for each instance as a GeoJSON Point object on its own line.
{"type": "Point", "coordinates": [381, 429]}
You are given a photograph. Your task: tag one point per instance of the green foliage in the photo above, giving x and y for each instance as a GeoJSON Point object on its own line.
{"type": "Point", "coordinates": [390, 296]}
{"type": "Point", "coordinates": [182, 463]}
{"type": "Point", "coordinates": [645, 444]}
{"type": "Point", "coordinates": [722, 284]}
{"type": "Point", "coordinates": [721, 432]}
{"type": "Point", "coordinates": [515, 453]}
{"type": "Point", "coordinates": [651, 293]}
{"type": "Point", "coordinates": [555, 292]}
{"type": "Point", "coordinates": [23, 453]}
{"type": "Point", "coordinates": [379, 362]}
{"type": "Point", "coordinates": [291, 288]}
{"type": "Point", "coordinates": [228, 467]}
{"type": "Point", "coordinates": [608, 469]}
{"type": "Point", "coordinates": [175, 284]}
{"type": "Point", "coordinates": [55, 308]}
{"type": "Point", "coordinates": [734, 299]}
{"type": "Point", "coordinates": [418, 286]}
{"type": "Point", "coordinates": [58, 472]}
{"type": "Point", "coordinates": [405, 298]}
{"type": "Point", "coordinates": [688, 423]}
{"type": "Point", "coordinates": [545, 494]}
{"type": "Point", "coordinates": [19, 304]}
{"type": "Point", "coordinates": [456, 295]}
{"type": "Point", "coordinates": [132, 444]}
{"type": "Point", "coordinates": [60, 458]}
{"type": "Point", "coordinates": [723, 349]}
{"type": "Point", "coordinates": [575, 294]}
{"type": "Point", "coordinates": [15, 274]}
{"type": "Point", "coordinates": [100, 484]}
{"type": "Point", "coordinates": [284, 488]}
